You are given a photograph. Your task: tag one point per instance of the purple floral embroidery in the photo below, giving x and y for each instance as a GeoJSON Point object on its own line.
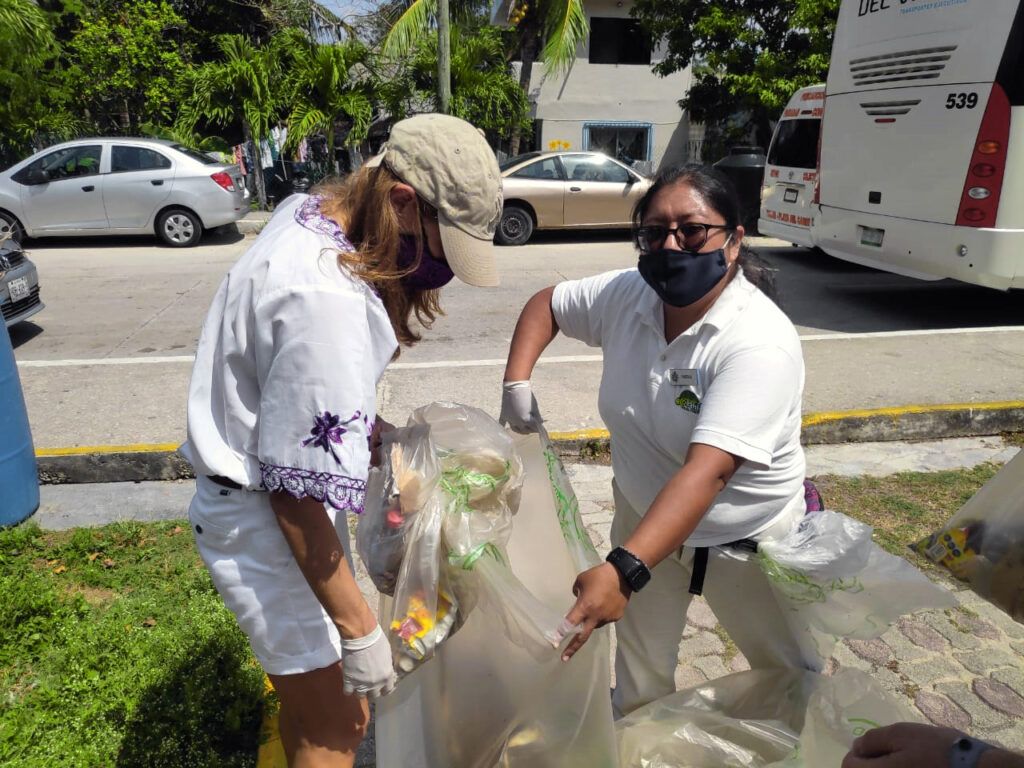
{"type": "Point", "coordinates": [327, 431]}
{"type": "Point", "coordinates": [311, 217]}
{"type": "Point", "coordinates": [343, 493]}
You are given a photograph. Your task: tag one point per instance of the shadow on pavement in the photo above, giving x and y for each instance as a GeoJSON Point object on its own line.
{"type": "Point", "coordinates": [822, 292]}
{"type": "Point", "coordinates": [206, 711]}
{"type": "Point", "coordinates": [23, 332]}
{"type": "Point", "coordinates": [225, 235]}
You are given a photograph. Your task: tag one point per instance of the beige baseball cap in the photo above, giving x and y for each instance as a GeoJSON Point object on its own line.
{"type": "Point", "coordinates": [450, 165]}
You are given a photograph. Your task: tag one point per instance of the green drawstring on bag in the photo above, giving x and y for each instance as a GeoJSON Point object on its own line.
{"type": "Point", "coordinates": [459, 483]}
{"type": "Point", "coordinates": [567, 507]}
{"type": "Point", "coordinates": [801, 588]}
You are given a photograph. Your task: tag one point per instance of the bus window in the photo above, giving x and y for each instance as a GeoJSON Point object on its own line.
{"type": "Point", "coordinates": [796, 144]}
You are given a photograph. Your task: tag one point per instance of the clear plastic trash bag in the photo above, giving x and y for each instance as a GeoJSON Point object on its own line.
{"type": "Point", "coordinates": [983, 543]}
{"type": "Point", "coordinates": [758, 719]}
{"type": "Point", "coordinates": [831, 581]}
{"type": "Point", "coordinates": [497, 693]}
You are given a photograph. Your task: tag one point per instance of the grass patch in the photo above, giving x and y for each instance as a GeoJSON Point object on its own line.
{"type": "Point", "coordinates": [115, 650]}
{"type": "Point", "coordinates": [904, 507]}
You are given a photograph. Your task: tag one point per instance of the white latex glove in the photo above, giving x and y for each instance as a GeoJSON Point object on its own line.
{"type": "Point", "coordinates": [366, 665]}
{"type": "Point", "coordinates": [519, 408]}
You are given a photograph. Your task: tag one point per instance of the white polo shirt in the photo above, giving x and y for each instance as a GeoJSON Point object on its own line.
{"type": "Point", "coordinates": [283, 390]}
{"type": "Point", "coordinates": [734, 380]}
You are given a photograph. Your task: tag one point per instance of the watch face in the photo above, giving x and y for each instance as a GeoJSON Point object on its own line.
{"type": "Point", "coordinates": [639, 578]}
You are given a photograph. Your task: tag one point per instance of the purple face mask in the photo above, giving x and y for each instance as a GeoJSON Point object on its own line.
{"type": "Point", "coordinates": [430, 274]}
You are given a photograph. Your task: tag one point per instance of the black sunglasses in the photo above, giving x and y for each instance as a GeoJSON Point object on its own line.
{"type": "Point", "coordinates": [691, 236]}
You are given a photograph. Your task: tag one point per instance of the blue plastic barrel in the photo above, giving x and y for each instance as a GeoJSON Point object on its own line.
{"type": "Point", "coordinates": [19, 479]}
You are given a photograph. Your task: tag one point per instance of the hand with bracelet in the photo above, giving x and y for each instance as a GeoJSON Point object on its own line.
{"type": "Point", "coordinates": [912, 745]}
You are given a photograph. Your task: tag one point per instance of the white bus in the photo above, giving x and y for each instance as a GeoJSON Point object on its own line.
{"type": "Point", "coordinates": [922, 149]}
{"type": "Point", "coordinates": [791, 170]}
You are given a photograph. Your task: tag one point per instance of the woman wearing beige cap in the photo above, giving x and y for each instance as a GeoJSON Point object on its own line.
{"type": "Point", "coordinates": [282, 419]}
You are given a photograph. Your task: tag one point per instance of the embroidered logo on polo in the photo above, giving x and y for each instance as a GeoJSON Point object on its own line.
{"type": "Point", "coordinates": [688, 401]}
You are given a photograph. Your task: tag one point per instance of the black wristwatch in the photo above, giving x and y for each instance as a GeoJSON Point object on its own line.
{"type": "Point", "coordinates": [632, 568]}
{"type": "Point", "coordinates": [966, 752]}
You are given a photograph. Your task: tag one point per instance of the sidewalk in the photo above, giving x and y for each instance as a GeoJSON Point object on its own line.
{"type": "Point", "coordinates": [962, 668]}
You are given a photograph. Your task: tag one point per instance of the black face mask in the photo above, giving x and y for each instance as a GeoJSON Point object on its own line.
{"type": "Point", "coordinates": [682, 277]}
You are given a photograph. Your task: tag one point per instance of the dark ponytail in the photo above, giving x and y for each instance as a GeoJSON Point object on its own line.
{"type": "Point", "coordinates": [719, 193]}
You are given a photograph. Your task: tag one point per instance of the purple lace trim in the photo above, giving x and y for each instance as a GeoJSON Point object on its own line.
{"type": "Point", "coordinates": [312, 218]}
{"type": "Point", "coordinates": [344, 493]}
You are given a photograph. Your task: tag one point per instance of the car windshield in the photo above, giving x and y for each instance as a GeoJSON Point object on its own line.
{"type": "Point", "coordinates": [518, 159]}
{"type": "Point", "coordinates": [195, 154]}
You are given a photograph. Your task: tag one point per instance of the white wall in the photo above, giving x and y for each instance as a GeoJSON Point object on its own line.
{"type": "Point", "coordinates": [611, 93]}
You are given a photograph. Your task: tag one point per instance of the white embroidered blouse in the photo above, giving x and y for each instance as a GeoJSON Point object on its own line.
{"type": "Point", "coordinates": [283, 390]}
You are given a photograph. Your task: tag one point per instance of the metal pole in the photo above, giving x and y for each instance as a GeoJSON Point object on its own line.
{"type": "Point", "coordinates": [444, 57]}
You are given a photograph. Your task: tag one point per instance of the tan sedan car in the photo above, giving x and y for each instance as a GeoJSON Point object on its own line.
{"type": "Point", "coordinates": [566, 190]}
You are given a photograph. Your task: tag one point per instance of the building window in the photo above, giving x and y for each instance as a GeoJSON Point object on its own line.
{"type": "Point", "coordinates": [627, 142]}
{"type": "Point", "coordinates": [618, 41]}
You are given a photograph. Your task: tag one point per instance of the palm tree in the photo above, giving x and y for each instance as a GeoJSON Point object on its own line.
{"type": "Point", "coordinates": [23, 29]}
{"type": "Point", "coordinates": [484, 90]}
{"type": "Point", "coordinates": [242, 86]}
{"type": "Point", "coordinates": [553, 29]}
{"type": "Point", "coordinates": [326, 82]}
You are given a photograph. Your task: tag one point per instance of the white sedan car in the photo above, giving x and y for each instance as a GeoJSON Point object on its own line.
{"type": "Point", "coordinates": [120, 186]}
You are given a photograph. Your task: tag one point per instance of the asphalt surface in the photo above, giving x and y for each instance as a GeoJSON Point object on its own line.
{"type": "Point", "coordinates": [107, 362]}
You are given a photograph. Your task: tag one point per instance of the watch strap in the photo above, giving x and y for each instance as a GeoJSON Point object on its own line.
{"type": "Point", "coordinates": [633, 570]}
{"type": "Point", "coordinates": [966, 752]}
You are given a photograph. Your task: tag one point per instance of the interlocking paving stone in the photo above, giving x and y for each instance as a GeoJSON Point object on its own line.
{"type": "Point", "coordinates": [984, 661]}
{"type": "Point", "coordinates": [982, 715]}
{"type": "Point", "coordinates": [1012, 677]}
{"type": "Point", "coordinates": [701, 644]}
{"type": "Point", "coordinates": [701, 615]}
{"type": "Point", "coordinates": [711, 666]}
{"type": "Point", "coordinates": [933, 670]}
{"type": "Point", "coordinates": [941, 711]}
{"type": "Point", "coordinates": [738, 663]}
{"type": "Point", "coordinates": [958, 638]}
{"type": "Point", "coordinates": [906, 651]}
{"type": "Point", "coordinates": [874, 651]}
{"type": "Point", "coordinates": [999, 696]}
{"type": "Point", "coordinates": [922, 635]}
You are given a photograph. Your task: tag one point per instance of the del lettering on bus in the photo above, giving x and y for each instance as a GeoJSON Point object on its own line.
{"type": "Point", "coordinates": [872, 6]}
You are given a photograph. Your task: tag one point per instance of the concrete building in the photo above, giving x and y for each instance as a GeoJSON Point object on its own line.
{"type": "Point", "coordinates": [611, 100]}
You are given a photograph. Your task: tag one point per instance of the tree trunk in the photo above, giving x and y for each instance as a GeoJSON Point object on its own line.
{"type": "Point", "coordinates": [444, 58]}
{"type": "Point", "coordinates": [257, 162]}
{"type": "Point", "coordinates": [330, 149]}
{"type": "Point", "coordinates": [531, 41]}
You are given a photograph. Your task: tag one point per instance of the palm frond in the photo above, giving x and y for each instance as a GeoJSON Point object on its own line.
{"type": "Point", "coordinates": [565, 28]}
{"type": "Point", "coordinates": [410, 28]}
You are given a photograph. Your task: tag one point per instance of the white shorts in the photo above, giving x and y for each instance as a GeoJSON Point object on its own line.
{"type": "Point", "coordinates": [256, 574]}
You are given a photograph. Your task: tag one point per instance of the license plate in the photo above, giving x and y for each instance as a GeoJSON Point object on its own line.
{"type": "Point", "coordinates": [871, 236]}
{"type": "Point", "coordinates": [790, 195]}
{"type": "Point", "coordinates": [19, 288]}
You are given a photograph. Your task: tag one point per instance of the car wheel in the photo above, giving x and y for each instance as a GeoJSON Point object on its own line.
{"type": "Point", "coordinates": [515, 227]}
{"type": "Point", "coordinates": [10, 226]}
{"type": "Point", "coordinates": [179, 228]}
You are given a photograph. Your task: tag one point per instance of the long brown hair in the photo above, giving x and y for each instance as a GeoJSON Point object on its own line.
{"type": "Point", "coordinates": [361, 204]}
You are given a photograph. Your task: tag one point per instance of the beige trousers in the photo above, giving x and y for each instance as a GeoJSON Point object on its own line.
{"type": "Point", "coordinates": [736, 589]}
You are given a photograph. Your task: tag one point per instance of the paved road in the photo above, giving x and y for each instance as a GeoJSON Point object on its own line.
{"type": "Point", "coordinates": [107, 362]}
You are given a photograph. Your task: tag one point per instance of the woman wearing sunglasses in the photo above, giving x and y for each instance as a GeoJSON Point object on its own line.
{"type": "Point", "coordinates": [282, 409]}
{"type": "Point", "coordinates": [701, 391]}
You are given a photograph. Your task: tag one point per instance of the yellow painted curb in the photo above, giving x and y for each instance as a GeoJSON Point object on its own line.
{"type": "Point", "coordinates": [88, 450]}
{"type": "Point", "coordinates": [905, 410]}
{"type": "Point", "coordinates": [581, 434]}
{"type": "Point", "coordinates": [271, 752]}
{"type": "Point", "coordinates": [809, 420]}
